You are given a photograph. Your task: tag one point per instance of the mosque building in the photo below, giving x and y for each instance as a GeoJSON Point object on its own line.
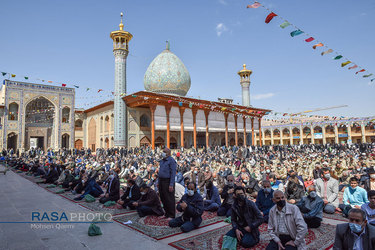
{"type": "Point", "coordinates": [36, 115]}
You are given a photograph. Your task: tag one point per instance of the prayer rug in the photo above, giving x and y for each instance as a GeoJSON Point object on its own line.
{"type": "Point", "coordinates": [335, 216]}
{"type": "Point", "coordinates": [69, 196]}
{"type": "Point", "coordinates": [52, 190]}
{"type": "Point", "coordinates": [158, 227]}
{"type": "Point", "coordinates": [98, 207]}
{"type": "Point", "coordinates": [319, 238]}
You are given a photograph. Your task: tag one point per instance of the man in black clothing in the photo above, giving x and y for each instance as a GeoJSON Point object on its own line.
{"type": "Point", "coordinates": [113, 189]}
{"type": "Point", "coordinates": [132, 194]}
{"type": "Point", "coordinates": [227, 196]}
{"type": "Point", "coordinates": [246, 218]}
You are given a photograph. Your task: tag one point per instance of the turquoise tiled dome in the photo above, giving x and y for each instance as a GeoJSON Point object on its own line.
{"type": "Point", "coordinates": [167, 74]}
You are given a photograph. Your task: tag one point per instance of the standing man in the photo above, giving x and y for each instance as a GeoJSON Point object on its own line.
{"type": "Point", "coordinates": [167, 173]}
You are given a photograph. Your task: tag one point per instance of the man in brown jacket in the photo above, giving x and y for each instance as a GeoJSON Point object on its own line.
{"type": "Point", "coordinates": [199, 180]}
{"type": "Point", "coordinates": [149, 204]}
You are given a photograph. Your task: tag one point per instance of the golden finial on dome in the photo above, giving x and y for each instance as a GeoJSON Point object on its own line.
{"type": "Point", "coordinates": [245, 71]}
{"type": "Point", "coordinates": [244, 66]}
{"type": "Point", "coordinates": [121, 24]}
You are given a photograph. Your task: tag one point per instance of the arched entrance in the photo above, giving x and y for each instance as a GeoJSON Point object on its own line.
{"type": "Point", "coordinates": [106, 142]}
{"type": "Point", "coordinates": [65, 141]}
{"type": "Point", "coordinates": [78, 144]}
{"type": "Point", "coordinates": [12, 141]}
{"type": "Point", "coordinates": [39, 119]}
{"type": "Point", "coordinates": [145, 141]}
{"type": "Point", "coordinates": [159, 142]}
{"type": "Point", "coordinates": [173, 143]}
{"type": "Point", "coordinates": [92, 134]}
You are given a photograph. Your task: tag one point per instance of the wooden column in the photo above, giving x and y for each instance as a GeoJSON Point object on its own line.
{"type": "Point", "coordinates": [244, 131]}
{"type": "Point", "coordinates": [252, 132]}
{"type": "Point", "coordinates": [226, 129]}
{"type": "Point", "coordinates": [152, 109]}
{"type": "Point", "coordinates": [167, 111]}
{"type": "Point", "coordinates": [206, 113]}
{"type": "Point", "coordinates": [182, 110]}
{"type": "Point", "coordinates": [194, 111]}
{"type": "Point", "coordinates": [235, 128]}
{"type": "Point", "coordinates": [260, 131]}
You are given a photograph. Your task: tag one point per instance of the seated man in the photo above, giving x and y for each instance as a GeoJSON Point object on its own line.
{"type": "Point", "coordinates": [227, 196]}
{"type": "Point", "coordinates": [311, 207]}
{"type": "Point", "coordinates": [354, 197]}
{"type": "Point", "coordinates": [132, 194]}
{"type": "Point", "coordinates": [328, 189]}
{"type": "Point", "coordinates": [294, 192]}
{"type": "Point", "coordinates": [149, 204]}
{"type": "Point", "coordinates": [212, 201]}
{"type": "Point", "coordinates": [356, 234]}
{"type": "Point", "coordinates": [246, 218]}
{"type": "Point", "coordinates": [264, 199]}
{"type": "Point", "coordinates": [191, 205]}
{"type": "Point", "coordinates": [113, 189]}
{"type": "Point", "coordinates": [369, 208]}
{"type": "Point", "coordinates": [286, 225]}
{"type": "Point", "coordinates": [52, 175]}
{"type": "Point", "coordinates": [276, 184]}
{"type": "Point", "coordinates": [68, 179]}
{"type": "Point", "coordinates": [90, 187]}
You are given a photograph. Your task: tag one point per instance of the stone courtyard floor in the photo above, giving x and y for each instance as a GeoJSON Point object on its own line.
{"type": "Point", "coordinates": [19, 198]}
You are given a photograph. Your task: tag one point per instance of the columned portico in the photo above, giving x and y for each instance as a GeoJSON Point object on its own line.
{"type": "Point", "coordinates": [226, 129]}
{"type": "Point", "coordinates": [152, 109]}
{"type": "Point", "coordinates": [182, 110]}
{"type": "Point", "coordinates": [252, 132]}
{"type": "Point", "coordinates": [194, 111]}
{"type": "Point", "coordinates": [236, 130]}
{"type": "Point", "coordinates": [244, 131]}
{"type": "Point", "coordinates": [260, 131]}
{"type": "Point", "coordinates": [168, 111]}
{"type": "Point", "coordinates": [206, 113]}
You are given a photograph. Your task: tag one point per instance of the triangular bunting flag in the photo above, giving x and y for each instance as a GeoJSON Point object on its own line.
{"type": "Point", "coordinates": [362, 70]}
{"type": "Point", "coordinates": [345, 63]}
{"type": "Point", "coordinates": [270, 17]}
{"type": "Point", "coordinates": [365, 76]}
{"type": "Point", "coordinates": [87, 89]}
{"type": "Point", "coordinates": [337, 57]}
{"type": "Point", "coordinates": [296, 33]}
{"type": "Point", "coordinates": [26, 77]}
{"type": "Point", "coordinates": [254, 5]}
{"type": "Point", "coordinates": [327, 52]}
{"type": "Point", "coordinates": [4, 73]}
{"type": "Point", "coordinates": [100, 90]}
{"type": "Point", "coordinates": [13, 75]}
{"type": "Point", "coordinates": [63, 84]}
{"type": "Point", "coordinates": [284, 24]}
{"type": "Point", "coordinates": [353, 67]}
{"type": "Point", "coordinates": [310, 39]}
{"type": "Point", "coordinates": [318, 45]}
{"type": "Point", "coordinates": [76, 86]}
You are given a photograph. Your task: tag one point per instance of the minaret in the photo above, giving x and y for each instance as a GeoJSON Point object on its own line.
{"type": "Point", "coordinates": [245, 84]}
{"type": "Point", "coordinates": [121, 40]}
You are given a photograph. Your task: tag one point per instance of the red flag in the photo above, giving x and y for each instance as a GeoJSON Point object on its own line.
{"type": "Point", "coordinates": [64, 85]}
{"type": "Point", "coordinates": [100, 90]}
{"type": "Point", "coordinates": [269, 17]}
{"type": "Point", "coordinates": [310, 39]}
{"type": "Point", "coordinates": [362, 70]}
{"type": "Point", "coordinates": [50, 81]}
{"type": "Point", "coordinates": [353, 67]}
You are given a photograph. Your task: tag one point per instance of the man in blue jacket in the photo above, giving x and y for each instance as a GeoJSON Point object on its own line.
{"type": "Point", "coordinates": [166, 182]}
{"type": "Point", "coordinates": [212, 201]}
{"type": "Point", "coordinates": [311, 207]}
{"type": "Point", "coordinates": [264, 199]}
{"type": "Point", "coordinates": [191, 204]}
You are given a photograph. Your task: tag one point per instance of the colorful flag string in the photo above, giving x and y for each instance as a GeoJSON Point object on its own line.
{"type": "Point", "coordinates": [297, 31]}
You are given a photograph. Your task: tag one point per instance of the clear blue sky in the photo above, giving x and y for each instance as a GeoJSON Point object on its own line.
{"type": "Point", "coordinates": [68, 41]}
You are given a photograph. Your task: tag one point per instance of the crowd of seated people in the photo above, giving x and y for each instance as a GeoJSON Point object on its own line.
{"type": "Point", "coordinates": [253, 185]}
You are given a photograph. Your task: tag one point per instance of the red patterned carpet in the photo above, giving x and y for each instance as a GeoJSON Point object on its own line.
{"type": "Point", "coordinates": [320, 238]}
{"type": "Point", "coordinates": [98, 207]}
{"type": "Point", "coordinates": [157, 227]}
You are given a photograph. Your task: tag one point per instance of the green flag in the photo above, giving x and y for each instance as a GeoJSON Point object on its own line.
{"type": "Point", "coordinates": [284, 24]}
{"type": "Point", "coordinates": [4, 73]}
{"type": "Point", "coordinates": [337, 57]}
{"type": "Point", "coordinates": [26, 77]}
{"type": "Point", "coordinates": [76, 86]}
{"type": "Point", "coordinates": [367, 75]}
